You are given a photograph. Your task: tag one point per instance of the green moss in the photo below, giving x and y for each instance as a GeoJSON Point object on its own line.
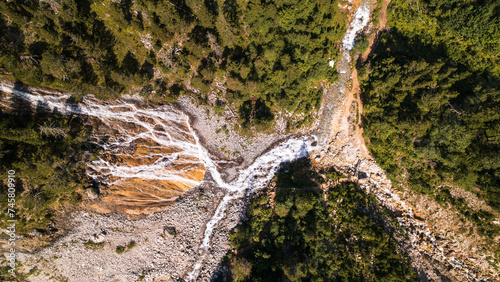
{"type": "Point", "coordinates": [131, 244]}
{"type": "Point", "coordinates": [120, 249]}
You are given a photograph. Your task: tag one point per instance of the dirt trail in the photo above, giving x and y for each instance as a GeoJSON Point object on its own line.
{"type": "Point", "coordinates": [435, 255]}
{"type": "Point", "coordinates": [359, 128]}
{"type": "Point", "coordinates": [356, 89]}
{"type": "Point", "coordinates": [383, 14]}
{"type": "Point", "coordinates": [378, 30]}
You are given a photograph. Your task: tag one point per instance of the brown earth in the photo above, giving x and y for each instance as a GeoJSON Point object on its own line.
{"type": "Point", "coordinates": [375, 35]}
{"type": "Point", "coordinates": [459, 240]}
{"type": "Point", "coordinates": [134, 194]}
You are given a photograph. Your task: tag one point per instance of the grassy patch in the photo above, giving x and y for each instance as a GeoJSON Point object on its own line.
{"type": "Point", "coordinates": [121, 249]}
{"type": "Point", "coordinates": [93, 246]}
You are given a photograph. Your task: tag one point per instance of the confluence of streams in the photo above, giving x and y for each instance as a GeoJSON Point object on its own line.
{"type": "Point", "coordinates": [255, 177]}
{"type": "Point", "coordinates": [175, 126]}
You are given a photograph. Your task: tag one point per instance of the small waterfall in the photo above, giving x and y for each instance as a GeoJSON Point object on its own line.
{"type": "Point", "coordinates": [123, 124]}
{"type": "Point", "coordinates": [148, 155]}
{"type": "Point", "coordinates": [255, 177]}
{"type": "Point", "coordinates": [360, 20]}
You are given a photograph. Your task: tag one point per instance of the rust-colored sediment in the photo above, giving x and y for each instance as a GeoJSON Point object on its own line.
{"type": "Point", "coordinates": [135, 194]}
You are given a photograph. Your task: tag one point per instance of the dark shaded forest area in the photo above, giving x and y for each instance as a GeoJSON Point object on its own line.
{"type": "Point", "coordinates": [275, 51]}
{"type": "Point", "coordinates": [431, 94]}
{"type": "Point", "coordinates": [300, 237]}
{"type": "Point", "coordinates": [49, 154]}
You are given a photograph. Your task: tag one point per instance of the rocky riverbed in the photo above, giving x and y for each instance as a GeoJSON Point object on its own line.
{"type": "Point", "coordinates": [165, 244]}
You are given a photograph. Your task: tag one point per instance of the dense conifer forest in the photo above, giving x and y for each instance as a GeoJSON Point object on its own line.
{"type": "Point", "coordinates": [303, 236]}
{"type": "Point", "coordinates": [431, 94]}
{"type": "Point", "coordinates": [48, 154]}
{"type": "Point", "coordinates": [275, 51]}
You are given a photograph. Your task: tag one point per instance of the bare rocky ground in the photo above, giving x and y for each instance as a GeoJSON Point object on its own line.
{"type": "Point", "coordinates": [166, 243]}
{"type": "Point", "coordinates": [234, 150]}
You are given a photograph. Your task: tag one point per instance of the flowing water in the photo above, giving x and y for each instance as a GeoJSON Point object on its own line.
{"type": "Point", "coordinates": [148, 156]}
{"type": "Point", "coordinates": [170, 148]}
{"type": "Point", "coordinates": [158, 144]}
{"type": "Point", "coordinates": [255, 177]}
{"type": "Point", "coordinates": [334, 100]}
{"type": "Point", "coordinates": [151, 155]}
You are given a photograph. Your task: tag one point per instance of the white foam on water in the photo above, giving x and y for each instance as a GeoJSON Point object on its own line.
{"type": "Point", "coordinates": [360, 19]}
{"type": "Point", "coordinates": [161, 126]}
{"type": "Point", "coordinates": [255, 177]}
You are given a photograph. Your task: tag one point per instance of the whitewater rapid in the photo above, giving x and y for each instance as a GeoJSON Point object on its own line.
{"type": "Point", "coordinates": [145, 122]}
{"type": "Point", "coordinates": [360, 20]}
{"type": "Point", "coordinates": [157, 128]}
{"type": "Point", "coordinates": [252, 179]}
